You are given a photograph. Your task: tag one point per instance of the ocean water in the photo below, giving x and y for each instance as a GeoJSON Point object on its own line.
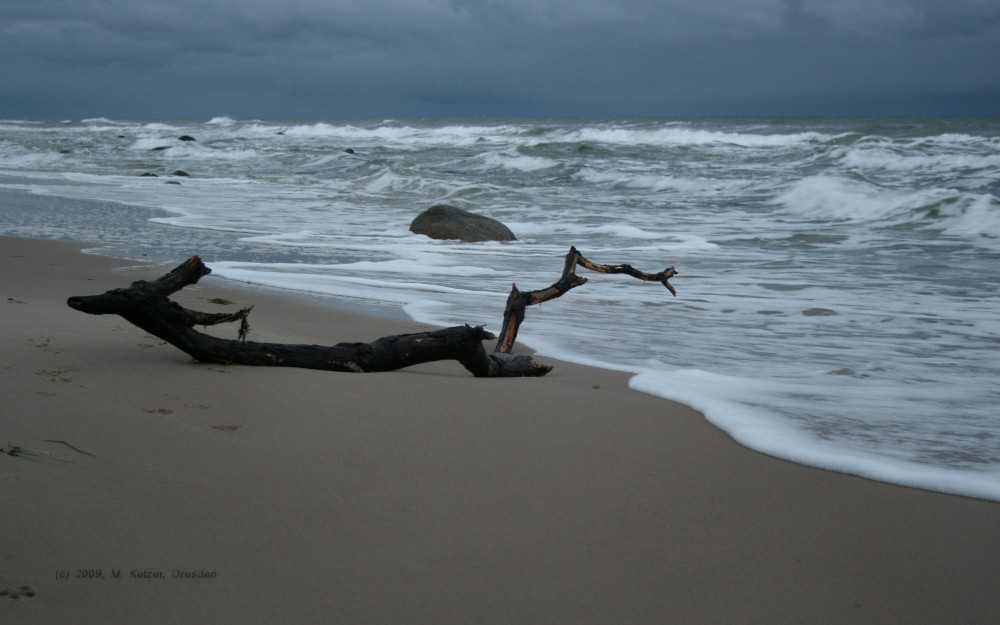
{"type": "Point", "coordinates": [838, 279]}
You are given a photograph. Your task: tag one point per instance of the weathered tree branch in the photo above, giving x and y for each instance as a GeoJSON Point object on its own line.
{"type": "Point", "coordinates": [519, 300]}
{"type": "Point", "coordinates": [147, 306]}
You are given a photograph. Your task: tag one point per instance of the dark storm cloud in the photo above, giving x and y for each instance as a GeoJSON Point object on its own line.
{"type": "Point", "coordinates": [501, 57]}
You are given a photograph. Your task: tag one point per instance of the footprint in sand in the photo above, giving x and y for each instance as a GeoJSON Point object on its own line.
{"type": "Point", "coordinates": [58, 375]}
{"type": "Point", "coordinates": [16, 593]}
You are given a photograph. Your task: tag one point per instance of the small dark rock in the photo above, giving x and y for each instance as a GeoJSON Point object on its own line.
{"type": "Point", "coordinates": [159, 148]}
{"type": "Point", "coordinates": [181, 172]}
{"type": "Point", "coordinates": [148, 175]}
{"type": "Point", "coordinates": [449, 222]}
{"type": "Point", "coordinates": [186, 138]}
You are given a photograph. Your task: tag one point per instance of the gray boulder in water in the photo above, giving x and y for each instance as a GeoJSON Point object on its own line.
{"type": "Point", "coordinates": [449, 222]}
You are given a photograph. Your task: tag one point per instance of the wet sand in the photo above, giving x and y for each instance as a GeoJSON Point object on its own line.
{"type": "Point", "coordinates": [176, 492]}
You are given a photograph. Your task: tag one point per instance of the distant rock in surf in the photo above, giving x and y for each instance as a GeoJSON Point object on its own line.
{"type": "Point", "coordinates": [186, 138]}
{"type": "Point", "coordinates": [449, 222]}
{"type": "Point", "coordinates": [181, 172]}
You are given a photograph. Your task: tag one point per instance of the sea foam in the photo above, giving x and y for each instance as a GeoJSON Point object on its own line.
{"type": "Point", "coordinates": [837, 295]}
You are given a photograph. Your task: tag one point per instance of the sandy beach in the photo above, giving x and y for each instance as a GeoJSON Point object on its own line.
{"type": "Point", "coordinates": [169, 491]}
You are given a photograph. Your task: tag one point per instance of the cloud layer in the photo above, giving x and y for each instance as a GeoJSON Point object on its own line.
{"type": "Point", "coordinates": [337, 58]}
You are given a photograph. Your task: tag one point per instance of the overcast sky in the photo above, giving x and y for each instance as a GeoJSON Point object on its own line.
{"type": "Point", "coordinates": [421, 58]}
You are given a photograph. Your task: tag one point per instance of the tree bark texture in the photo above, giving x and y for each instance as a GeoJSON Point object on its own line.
{"type": "Point", "coordinates": [519, 300]}
{"type": "Point", "coordinates": [147, 305]}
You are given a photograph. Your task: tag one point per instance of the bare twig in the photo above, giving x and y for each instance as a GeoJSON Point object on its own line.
{"type": "Point", "coordinates": [519, 300]}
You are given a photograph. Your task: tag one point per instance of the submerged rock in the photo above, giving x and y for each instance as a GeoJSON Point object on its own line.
{"type": "Point", "coordinates": [449, 222]}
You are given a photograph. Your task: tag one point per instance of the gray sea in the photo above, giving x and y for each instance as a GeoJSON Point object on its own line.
{"type": "Point", "coordinates": [839, 279]}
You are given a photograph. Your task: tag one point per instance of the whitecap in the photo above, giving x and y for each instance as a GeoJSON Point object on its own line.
{"type": "Point", "coordinates": [976, 217]}
{"type": "Point", "coordinates": [834, 198]}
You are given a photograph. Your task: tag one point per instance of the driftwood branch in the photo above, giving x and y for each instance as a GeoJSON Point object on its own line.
{"type": "Point", "coordinates": [147, 306]}
{"type": "Point", "coordinates": [519, 300]}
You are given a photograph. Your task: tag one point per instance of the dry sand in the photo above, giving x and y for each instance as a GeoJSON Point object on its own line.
{"type": "Point", "coordinates": [419, 496]}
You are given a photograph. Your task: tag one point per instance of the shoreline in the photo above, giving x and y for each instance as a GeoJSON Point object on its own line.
{"type": "Point", "coordinates": [87, 219]}
{"type": "Point", "coordinates": [419, 496]}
